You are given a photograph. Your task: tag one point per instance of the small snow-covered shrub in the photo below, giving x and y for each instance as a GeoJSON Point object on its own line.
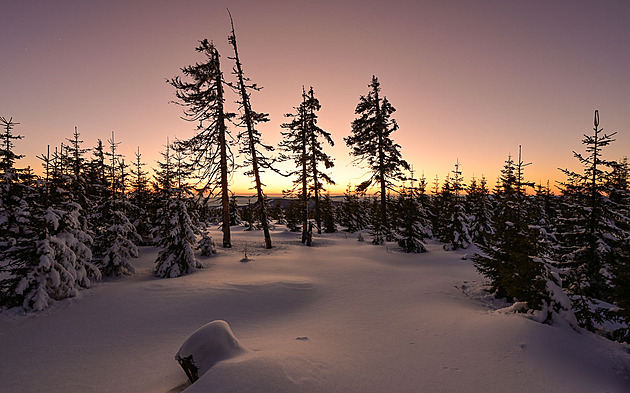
{"type": "Point", "coordinates": [206, 245]}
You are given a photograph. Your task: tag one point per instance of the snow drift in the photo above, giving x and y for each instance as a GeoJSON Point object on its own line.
{"type": "Point", "coordinates": [208, 345]}
{"type": "Point", "coordinates": [377, 320]}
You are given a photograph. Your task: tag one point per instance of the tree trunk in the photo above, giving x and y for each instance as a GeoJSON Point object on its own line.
{"type": "Point", "coordinates": [381, 161]}
{"type": "Point", "coordinates": [304, 171]}
{"type": "Point", "coordinates": [250, 133]}
{"type": "Point", "coordinates": [225, 197]}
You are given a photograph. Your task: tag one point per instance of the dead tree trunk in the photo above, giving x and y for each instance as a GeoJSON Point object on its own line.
{"type": "Point", "coordinates": [249, 122]}
{"type": "Point", "coordinates": [225, 197]}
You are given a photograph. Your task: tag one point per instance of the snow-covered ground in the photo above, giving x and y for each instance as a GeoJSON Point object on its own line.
{"type": "Point", "coordinates": [341, 316]}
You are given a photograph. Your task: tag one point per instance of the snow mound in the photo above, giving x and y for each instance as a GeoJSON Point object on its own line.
{"type": "Point", "coordinates": [210, 344]}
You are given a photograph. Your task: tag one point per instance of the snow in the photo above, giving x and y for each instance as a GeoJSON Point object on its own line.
{"type": "Point", "coordinates": [208, 345]}
{"type": "Point", "coordinates": [341, 316]}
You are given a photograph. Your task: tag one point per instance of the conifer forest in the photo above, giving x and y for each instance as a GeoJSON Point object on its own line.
{"type": "Point", "coordinates": [562, 250]}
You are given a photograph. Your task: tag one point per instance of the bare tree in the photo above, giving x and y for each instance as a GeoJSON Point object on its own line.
{"type": "Point", "coordinates": [251, 144]}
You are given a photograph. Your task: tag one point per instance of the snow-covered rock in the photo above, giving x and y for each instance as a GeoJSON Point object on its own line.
{"type": "Point", "coordinates": [211, 343]}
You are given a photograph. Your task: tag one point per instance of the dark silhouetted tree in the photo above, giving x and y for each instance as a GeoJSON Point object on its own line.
{"type": "Point", "coordinates": [115, 236]}
{"type": "Point", "coordinates": [302, 144]}
{"type": "Point", "coordinates": [316, 154]}
{"type": "Point", "coordinates": [410, 224]}
{"type": "Point", "coordinates": [479, 207]}
{"type": "Point", "coordinates": [371, 142]}
{"type": "Point", "coordinates": [592, 241]}
{"type": "Point", "coordinates": [353, 213]}
{"type": "Point", "coordinates": [251, 144]}
{"type": "Point", "coordinates": [212, 158]}
{"type": "Point", "coordinates": [516, 262]}
{"type": "Point", "coordinates": [456, 225]}
{"type": "Point", "coordinates": [329, 214]}
{"type": "Point", "coordinates": [7, 155]}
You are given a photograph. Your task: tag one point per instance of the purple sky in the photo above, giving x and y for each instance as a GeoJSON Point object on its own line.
{"type": "Point", "coordinates": [471, 80]}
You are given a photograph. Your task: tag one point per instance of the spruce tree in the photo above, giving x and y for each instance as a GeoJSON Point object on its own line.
{"type": "Point", "coordinates": [19, 235]}
{"type": "Point", "coordinates": [316, 154]}
{"type": "Point", "coordinates": [206, 245]}
{"type": "Point", "coordinates": [163, 178]}
{"type": "Point", "coordinates": [235, 217]}
{"type": "Point", "coordinates": [115, 172]}
{"type": "Point", "coordinates": [44, 252]}
{"type": "Point", "coordinates": [69, 233]}
{"type": "Point", "coordinates": [212, 158]}
{"type": "Point", "coordinates": [353, 212]}
{"type": "Point", "coordinates": [13, 189]}
{"type": "Point", "coordinates": [116, 238]}
{"type": "Point", "coordinates": [619, 194]}
{"type": "Point", "coordinates": [516, 262]}
{"type": "Point", "coordinates": [39, 266]}
{"type": "Point", "coordinates": [621, 293]}
{"type": "Point", "coordinates": [302, 145]}
{"type": "Point", "coordinates": [543, 210]}
{"type": "Point", "coordinates": [376, 224]}
{"type": "Point", "coordinates": [7, 155]}
{"type": "Point", "coordinates": [328, 214]}
{"type": "Point", "coordinates": [441, 209]}
{"type": "Point", "coordinates": [142, 213]}
{"type": "Point", "coordinates": [410, 230]}
{"type": "Point", "coordinates": [95, 177]}
{"type": "Point", "coordinates": [182, 172]}
{"type": "Point", "coordinates": [175, 232]}
{"type": "Point", "coordinates": [176, 238]}
{"type": "Point", "coordinates": [592, 239]}
{"type": "Point", "coordinates": [294, 215]}
{"type": "Point", "coordinates": [295, 145]}
{"type": "Point", "coordinates": [78, 172]}
{"type": "Point", "coordinates": [423, 203]}
{"type": "Point", "coordinates": [77, 154]}
{"type": "Point", "coordinates": [455, 232]}
{"type": "Point", "coordinates": [371, 143]}
{"type": "Point", "coordinates": [249, 215]}
{"type": "Point", "coordinates": [277, 213]}
{"type": "Point", "coordinates": [479, 206]}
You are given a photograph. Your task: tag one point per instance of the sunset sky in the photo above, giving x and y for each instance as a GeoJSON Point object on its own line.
{"type": "Point", "coordinates": [471, 80]}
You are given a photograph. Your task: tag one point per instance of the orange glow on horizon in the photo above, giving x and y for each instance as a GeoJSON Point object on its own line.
{"type": "Point", "coordinates": [469, 82]}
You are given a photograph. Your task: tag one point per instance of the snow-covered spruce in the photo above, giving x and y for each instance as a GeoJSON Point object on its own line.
{"type": "Point", "coordinates": [455, 229]}
{"type": "Point", "coordinates": [594, 229]}
{"type": "Point", "coordinates": [72, 232]}
{"type": "Point", "coordinates": [176, 238]}
{"type": "Point", "coordinates": [515, 259]}
{"type": "Point", "coordinates": [377, 229]}
{"type": "Point", "coordinates": [457, 232]}
{"type": "Point", "coordinates": [411, 227]}
{"type": "Point", "coordinates": [116, 239]}
{"type": "Point", "coordinates": [206, 245]}
{"type": "Point", "coordinates": [46, 255]}
{"type": "Point", "coordinates": [353, 213]}
{"type": "Point", "coordinates": [47, 278]}
{"type": "Point", "coordinates": [46, 263]}
{"type": "Point", "coordinates": [479, 207]}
